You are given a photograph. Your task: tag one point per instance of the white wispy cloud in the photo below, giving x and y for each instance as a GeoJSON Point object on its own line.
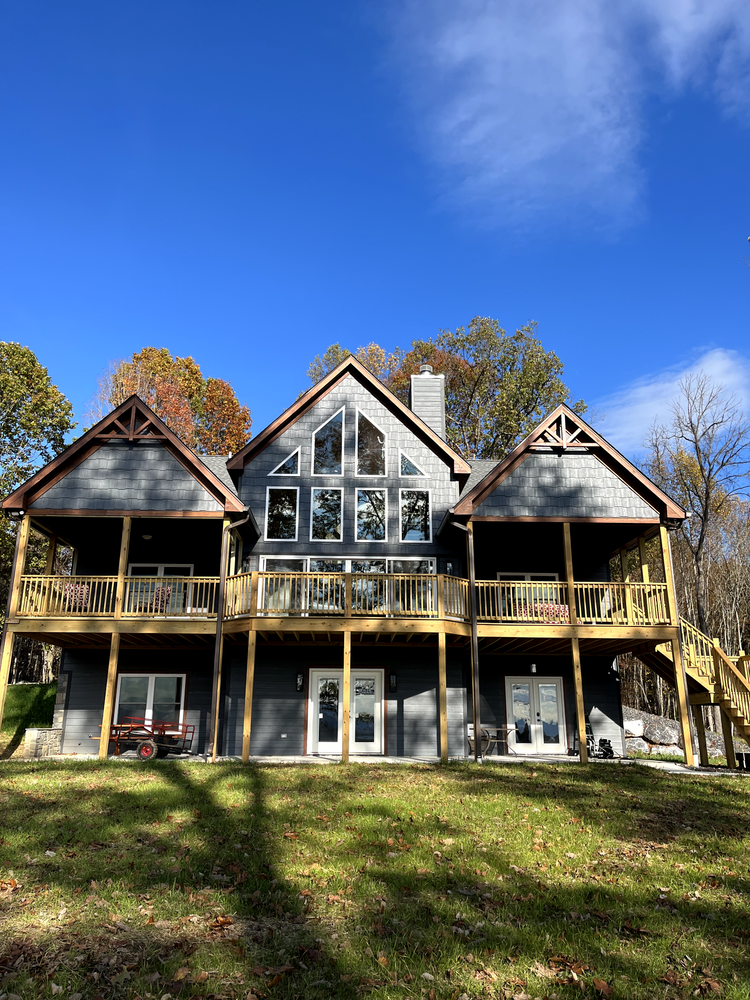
{"type": "Point", "coordinates": [536, 106]}
{"type": "Point", "coordinates": [629, 412]}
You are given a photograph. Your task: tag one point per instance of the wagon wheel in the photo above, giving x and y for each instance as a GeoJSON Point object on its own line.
{"type": "Point", "coordinates": [147, 750]}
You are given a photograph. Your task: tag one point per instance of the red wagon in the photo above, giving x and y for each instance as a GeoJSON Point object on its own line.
{"type": "Point", "coordinates": [151, 739]}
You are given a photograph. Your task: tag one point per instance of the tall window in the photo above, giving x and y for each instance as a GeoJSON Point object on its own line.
{"type": "Point", "coordinates": [415, 516]}
{"type": "Point", "coordinates": [370, 448]}
{"type": "Point", "coordinates": [371, 516]}
{"type": "Point", "coordinates": [281, 513]}
{"type": "Point", "coordinates": [328, 442]}
{"type": "Point", "coordinates": [325, 522]}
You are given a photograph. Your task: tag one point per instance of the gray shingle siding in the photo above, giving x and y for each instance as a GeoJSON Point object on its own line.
{"type": "Point", "coordinates": [564, 484]}
{"type": "Point", "coordinates": [427, 400]}
{"type": "Point", "coordinates": [123, 476]}
{"type": "Point", "coordinates": [353, 395]}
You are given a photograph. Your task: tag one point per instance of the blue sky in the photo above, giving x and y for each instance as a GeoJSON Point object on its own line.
{"type": "Point", "coordinates": [248, 182]}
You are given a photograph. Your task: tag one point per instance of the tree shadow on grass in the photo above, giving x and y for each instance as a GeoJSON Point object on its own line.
{"type": "Point", "coordinates": [145, 880]}
{"type": "Point", "coordinates": [283, 881]}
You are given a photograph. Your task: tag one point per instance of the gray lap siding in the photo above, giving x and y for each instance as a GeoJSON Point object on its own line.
{"type": "Point", "coordinates": [87, 671]}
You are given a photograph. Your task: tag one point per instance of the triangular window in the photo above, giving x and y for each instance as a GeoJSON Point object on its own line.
{"type": "Point", "coordinates": [409, 468]}
{"type": "Point", "coordinates": [289, 467]}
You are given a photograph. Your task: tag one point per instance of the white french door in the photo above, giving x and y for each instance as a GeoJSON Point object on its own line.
{"type": "Point", "coordinates": [325, 711]}
{"type": "Point", "coordinates": [535, 712]}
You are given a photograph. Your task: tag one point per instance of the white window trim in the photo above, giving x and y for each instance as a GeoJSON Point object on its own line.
{"type": "Point", "coordinates": [159, 567]}
{"type": "Point", "coordinates": [364, 475]}
{"type": "Point", "coordinates": [346, 560]}
{"type": "Point", "coordinates": [150, 695]}
{"type": "Point", "coordinates": [526, 577]}
{"type": "Point", "coordinates": [296, 518]}
{"type": "Point", "coordinates": [328, 541]}
{"type": "Point", "coordinates": [403, 475]}
{"type": "Point", "coordinates": [285, 460]}
{"type": "Point", "coordinates": [370, 541]}
{"type": "Point", "coordinates": [342, 411]}
{"type": "Point", "coordinates": [414, 541]}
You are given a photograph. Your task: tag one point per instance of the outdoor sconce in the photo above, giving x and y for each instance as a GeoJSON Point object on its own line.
{"type": "Point", "coordinates": [392, 683]}
{"type": "Point", "coordinates": [300, 681]}
{"type": "Point", "coordinates": [533, 668]}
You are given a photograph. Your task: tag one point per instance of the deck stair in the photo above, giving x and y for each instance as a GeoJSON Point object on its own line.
{"type": "Point", "coordinates": [713, 677]}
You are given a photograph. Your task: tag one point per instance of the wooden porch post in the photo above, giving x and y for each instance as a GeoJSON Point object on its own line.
{"type": "Point", "coordinates": [122, 568]}
{"type": "Point", "coordinates": [574, 646]}
{"type": "Point", "coordinates": [626, 581]}
{"type": "Point", "coordinates": [700, 729]}
{"type": "Point", "coordinates": [109, 695]}
{"type": "Point", "coordinates": [683, 703]}
{"type": "Point", "coordinates": [644, 561]}
{"type": "Point", "coordinates": [726, 732]}
{"type": "Point", "coordinates": [49, 568]}
{"type": "Point", "coordinates": [475, 693]}
{"type": "Point", "coordinates": [249, 684]}
{"type": "Point", "coordinates": [443, 696]}
{"type": "Point", "coordinates": [667, 560]}
{"type": "Point", "coordinates": [346, 695]}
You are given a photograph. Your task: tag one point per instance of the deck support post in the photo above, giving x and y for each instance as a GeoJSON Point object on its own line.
{"type": "Point", "coordinates": [726, 732]}
{"type": "Point", "coordinates": [683, 703]}
{"type": "Point", "coordinates": [109, 695]}
{"type": "Point", "coordinates": [6, 658]}
{"type": "Point", "coordinates": [443, 695]}
{"type": "Point", "coordinates": [475, 693]}
{"type": "Point", "coordinates": [666, 555]}
{"type": "Point", "coordinates": [575, 647]}
{"type": "Point", "coordinates": [247, 721]}
{"type": "Point", "coordinates": [700, 729]}
{"type": "Point", "coordinates": [6, 646]}
{"type": "Point", "coordinates": [580, 707]}
{"type": "Point", "coordinates": [346, 697]}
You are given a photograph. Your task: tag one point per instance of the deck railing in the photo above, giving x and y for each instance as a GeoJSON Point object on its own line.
{"type": "Point", "coordinates": [350, 595]}
{"type": "Point", "coordinates": [67, 596]}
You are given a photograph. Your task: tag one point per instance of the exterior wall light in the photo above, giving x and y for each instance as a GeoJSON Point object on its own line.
{"type": "Point", "coordinates": [533, 668]}
{"type": "Point", "coordinates": [300, 681]}
{"type": "Point", "coordinates": [392, 683]}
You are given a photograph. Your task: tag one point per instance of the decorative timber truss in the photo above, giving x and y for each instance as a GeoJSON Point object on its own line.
{"type": "Point", "coordinates": [132, 422]}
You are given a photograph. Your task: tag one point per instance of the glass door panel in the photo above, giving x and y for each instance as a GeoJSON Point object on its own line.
{"type": "Point", "coordinates": [133, 701]}
{"type": "Point", "coordinates": [536, 714]}
{"type": "Point", "coordinates": [325, 711]}
{"type": "Point", "coordinates": [328, 712]}
{"type": "Point", "coordinates": [167, 699]}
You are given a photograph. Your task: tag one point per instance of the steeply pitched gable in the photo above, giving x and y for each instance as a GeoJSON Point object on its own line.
{"type": "Point", "coordinates": [350, 366]}
{"type": "Point", "coordinates": [565, 470]}
{"type": "Point", "coordinates": [125, 462]}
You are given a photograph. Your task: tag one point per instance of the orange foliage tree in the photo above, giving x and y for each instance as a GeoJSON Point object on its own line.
{"type": "Point", "coordinates": [203, 412]}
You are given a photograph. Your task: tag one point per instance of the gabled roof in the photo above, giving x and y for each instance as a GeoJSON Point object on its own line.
{"type": "Point", "coordinates": [564, 430]}
{"type": "Point", "coordinates": [133, 421]}
{"type": "Point", "coordinates": [350, 366]}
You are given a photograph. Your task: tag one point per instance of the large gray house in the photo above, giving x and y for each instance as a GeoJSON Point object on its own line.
{"type": "Point", "coordinates": [349, 584]}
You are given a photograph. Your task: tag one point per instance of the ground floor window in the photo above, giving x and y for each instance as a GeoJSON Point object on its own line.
{"type": "Point", "coordinates": [153, 697]}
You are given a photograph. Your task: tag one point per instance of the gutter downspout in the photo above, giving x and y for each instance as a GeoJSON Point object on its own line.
{"type": "Point", "coordinates": [475, 695]}
{"type": "Point", "coordinates": [213, 718]}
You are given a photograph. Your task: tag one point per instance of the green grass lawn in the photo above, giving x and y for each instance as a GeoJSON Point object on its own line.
{"type": "Point", "coordinates": [181, 880]}
{"type": "Point", "coordinates": [26, 706]}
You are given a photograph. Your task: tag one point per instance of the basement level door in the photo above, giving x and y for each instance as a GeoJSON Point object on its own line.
{"type": "Point", "coordinates": [536, 708]}
{"type": "Point", "coordinates": [325, 711]}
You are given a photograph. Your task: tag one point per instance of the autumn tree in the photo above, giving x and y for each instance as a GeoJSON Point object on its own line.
{"type": "Point", "coordinates": [35, 418]}
{"type": "Point", "coordinates": [702, 459]}
{"type": "Point", "coordinates": [204, 412]}
{"type": "Point", "coordinates": [498, 386]}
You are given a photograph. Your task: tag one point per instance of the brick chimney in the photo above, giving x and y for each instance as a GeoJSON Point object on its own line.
{"type": "Point", "coordinates": [427, 398]}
